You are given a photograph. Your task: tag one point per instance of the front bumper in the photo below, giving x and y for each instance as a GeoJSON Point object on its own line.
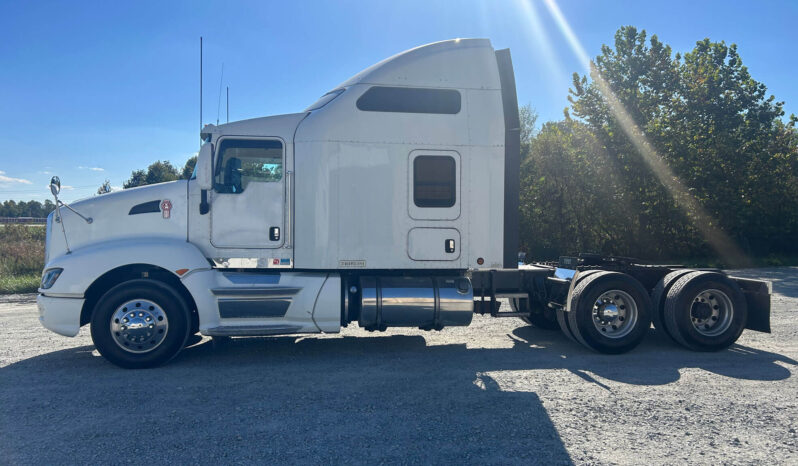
{"type": "Point", "coordinates": [59, 314]}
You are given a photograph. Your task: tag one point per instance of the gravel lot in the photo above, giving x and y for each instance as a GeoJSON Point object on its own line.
{"type": "Point", "coordinates": [494, 392]}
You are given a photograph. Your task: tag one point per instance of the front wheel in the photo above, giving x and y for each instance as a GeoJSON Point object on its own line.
{"type": "Point", "coordinates": [139, 324]}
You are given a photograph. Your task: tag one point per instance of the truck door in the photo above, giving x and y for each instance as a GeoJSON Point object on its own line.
{"type": "Point", "coordinates": [249, 193]}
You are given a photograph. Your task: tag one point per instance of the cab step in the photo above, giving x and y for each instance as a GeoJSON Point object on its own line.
{"type": "Point", "coordinates": [250, 330]}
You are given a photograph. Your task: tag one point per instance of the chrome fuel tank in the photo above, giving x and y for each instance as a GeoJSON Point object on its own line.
{"type": "Point", "coordinates": [425, 302]}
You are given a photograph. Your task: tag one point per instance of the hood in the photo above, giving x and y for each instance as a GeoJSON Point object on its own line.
{"type": "Point", "coordinates": [157, 210]}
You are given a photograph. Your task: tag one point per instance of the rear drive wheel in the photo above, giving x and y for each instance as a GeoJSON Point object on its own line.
{"type": "Point", "coordinates": [609, 312]}
{"type": "Point", "coordinates": [537, 315]}
{"type": "Point", "coordinates": [139, 324]}
{"type": "Point", "coordinates": [658, 299]}
{"type": "Point", "coordinates": [562, 315]}
{"type": "Point", "coordinates": [705, 311]}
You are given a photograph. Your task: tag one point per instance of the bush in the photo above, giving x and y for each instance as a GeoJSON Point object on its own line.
{"type": "Point", "coordinates": [21, 257]}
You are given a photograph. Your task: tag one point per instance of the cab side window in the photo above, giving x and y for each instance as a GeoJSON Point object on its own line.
{"type": "Point", "coordinates": [240, 162]}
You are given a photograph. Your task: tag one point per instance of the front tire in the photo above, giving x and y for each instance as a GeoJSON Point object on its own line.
{"type": "Point", "coordinates": [140, 323]}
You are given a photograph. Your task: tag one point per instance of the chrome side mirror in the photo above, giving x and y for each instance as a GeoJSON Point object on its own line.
{"type": "Point", "coordinates": [55, 185]}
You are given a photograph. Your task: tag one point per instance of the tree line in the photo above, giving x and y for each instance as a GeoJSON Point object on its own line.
{"type": "Point", "coordinates": [662, 156]}
{"type": "Point", "coordinates": [659, 156]}
{"type": "Point", "coordinates": [157, 172]}
{"type": "Point", "coordinates": [26, 209]}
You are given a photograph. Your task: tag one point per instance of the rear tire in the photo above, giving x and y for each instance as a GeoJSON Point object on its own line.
{"type": "Point", "coordinates": [538, 316]}
{"type": "Point", "coordinates": [140, 323]}
{"type": "Point", "coordinates": [609, 312]}
{"type": "Point", "coordinates": [562, 315]}
{"type": "Point", "coordinates": [658, 296]}
{"type": "Point", "coordinates": [705, 311]}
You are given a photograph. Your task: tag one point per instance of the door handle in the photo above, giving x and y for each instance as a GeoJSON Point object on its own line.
{"type": "Point", "coordinates": [274, 233]}
{"type": "Point", "coordinates": [449, 246]}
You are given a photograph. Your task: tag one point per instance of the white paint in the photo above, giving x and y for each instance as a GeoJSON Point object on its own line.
{"type": "Point", "coordinates": [428, 244]}
{"type": "Point", "coordinates": [348, 204]}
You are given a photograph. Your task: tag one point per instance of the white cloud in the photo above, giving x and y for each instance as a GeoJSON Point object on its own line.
{"type": "Point", "coordinates": [94, 169]}
{"type": "Point", "coordinates": [8, 179]}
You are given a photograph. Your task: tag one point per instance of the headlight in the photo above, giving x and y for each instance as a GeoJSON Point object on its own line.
{"type": "Point", "coordinates": [49, 277]}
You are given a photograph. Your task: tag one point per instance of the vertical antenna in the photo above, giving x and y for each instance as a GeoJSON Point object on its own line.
{"type": "Point", "coordinates": [228, 104]}
{"type": "Point", "coordinates": [200, 91]}
{"type": "Point", "coordinates": [219, 100]}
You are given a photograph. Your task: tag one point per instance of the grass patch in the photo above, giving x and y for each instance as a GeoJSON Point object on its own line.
{"type": "Point", "coordinates": [21, 258]}
{"type": "Point", "coordinates": [19, 283]}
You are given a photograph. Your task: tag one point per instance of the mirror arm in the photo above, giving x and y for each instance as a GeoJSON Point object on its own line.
{"type": "Point", "coordinates": [86, 219]}
{"type": "Point", "coordinates": [204, 207]}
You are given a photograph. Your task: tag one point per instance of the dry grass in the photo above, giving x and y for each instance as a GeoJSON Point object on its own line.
{"type": "Point", "coordinates": [21, 258]}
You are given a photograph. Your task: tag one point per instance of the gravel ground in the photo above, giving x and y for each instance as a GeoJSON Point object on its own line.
{"type": "Point", "coordinates": [494, 392]}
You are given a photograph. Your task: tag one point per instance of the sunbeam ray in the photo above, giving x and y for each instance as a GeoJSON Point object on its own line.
{"type": "Point", "coordinates": [538, 39]}
{"type": "Point", "coordinates": [720, 242]}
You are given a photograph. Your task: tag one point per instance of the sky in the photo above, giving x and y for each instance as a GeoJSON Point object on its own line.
{"type": "Point", "coordinates": [93, 90]}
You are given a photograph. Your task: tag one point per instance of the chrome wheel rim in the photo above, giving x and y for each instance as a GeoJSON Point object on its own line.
{"type": "Point", "coordinates": [711, 312]}
{"type": "Point", "coordinates": [139, 326]}
{"type": "Point", "coordinates": [615, 314]}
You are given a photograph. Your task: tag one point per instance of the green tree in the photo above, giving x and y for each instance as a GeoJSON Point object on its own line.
{"type": "Point", "coordinates": [567, 203]}
{"type": "Point", "coordinates": [26, 209]}
{"type": "Point", "coordinates": [137, 178]}
{"type": "Point", "coordinates": [105, 188]}
{"type": "Point", "coordinates": [157, 172]}
{"type": "Point", "coordinates": [188, 168]}
{"type": "Point", "coordinates": [715, 153]}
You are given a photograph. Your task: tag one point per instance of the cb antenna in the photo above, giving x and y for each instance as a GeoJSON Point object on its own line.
{"type": "Point", "coordinates": [200, 91]}
{"type": "Point", "coordinates": [228, 104]}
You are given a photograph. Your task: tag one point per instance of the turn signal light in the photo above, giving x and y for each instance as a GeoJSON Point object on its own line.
{"type": "Point", "coordinates": [49, 277]}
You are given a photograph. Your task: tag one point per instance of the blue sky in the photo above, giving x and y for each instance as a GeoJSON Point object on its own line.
{"type": "Point", "coordinates": [91, 91]}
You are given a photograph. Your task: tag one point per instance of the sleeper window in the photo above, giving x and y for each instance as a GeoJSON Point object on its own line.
{"type": "Point", "coordinates": [241, 162]}
{"type": "Point", "coordinates": [434, 181]}
{"type": "Point", "coordinates": [410, 100]}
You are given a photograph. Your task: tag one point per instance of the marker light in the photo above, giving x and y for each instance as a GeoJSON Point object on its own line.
{"type": "Point", "coordinates": [49, 277]}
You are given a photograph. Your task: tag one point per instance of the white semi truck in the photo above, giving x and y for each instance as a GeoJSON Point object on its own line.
{"type": "Point", "coordinates": [391, 201]}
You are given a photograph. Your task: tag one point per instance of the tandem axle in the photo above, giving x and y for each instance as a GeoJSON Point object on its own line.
{"type": "Point", "coordinates": [608, 303]}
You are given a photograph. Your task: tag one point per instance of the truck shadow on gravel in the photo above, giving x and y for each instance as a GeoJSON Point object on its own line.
{"type": "Point", "coordinates": [657, 361]}
{"type": "Point", "coordinates": [380, 398]}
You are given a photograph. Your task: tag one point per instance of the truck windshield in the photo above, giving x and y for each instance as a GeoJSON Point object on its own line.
{"type": "Point", "coordinates": [324, 100]}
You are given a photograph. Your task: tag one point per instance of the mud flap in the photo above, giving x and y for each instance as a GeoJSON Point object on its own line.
{"type": "Point", "coordinates": [757, 297]}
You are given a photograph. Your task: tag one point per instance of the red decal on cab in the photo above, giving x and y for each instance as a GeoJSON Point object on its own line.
{"type": "Point", "coordinates": [166, 207]}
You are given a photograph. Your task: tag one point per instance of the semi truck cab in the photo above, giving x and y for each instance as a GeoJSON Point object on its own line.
{"type": "Point", "coordinates": [390, 201]}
